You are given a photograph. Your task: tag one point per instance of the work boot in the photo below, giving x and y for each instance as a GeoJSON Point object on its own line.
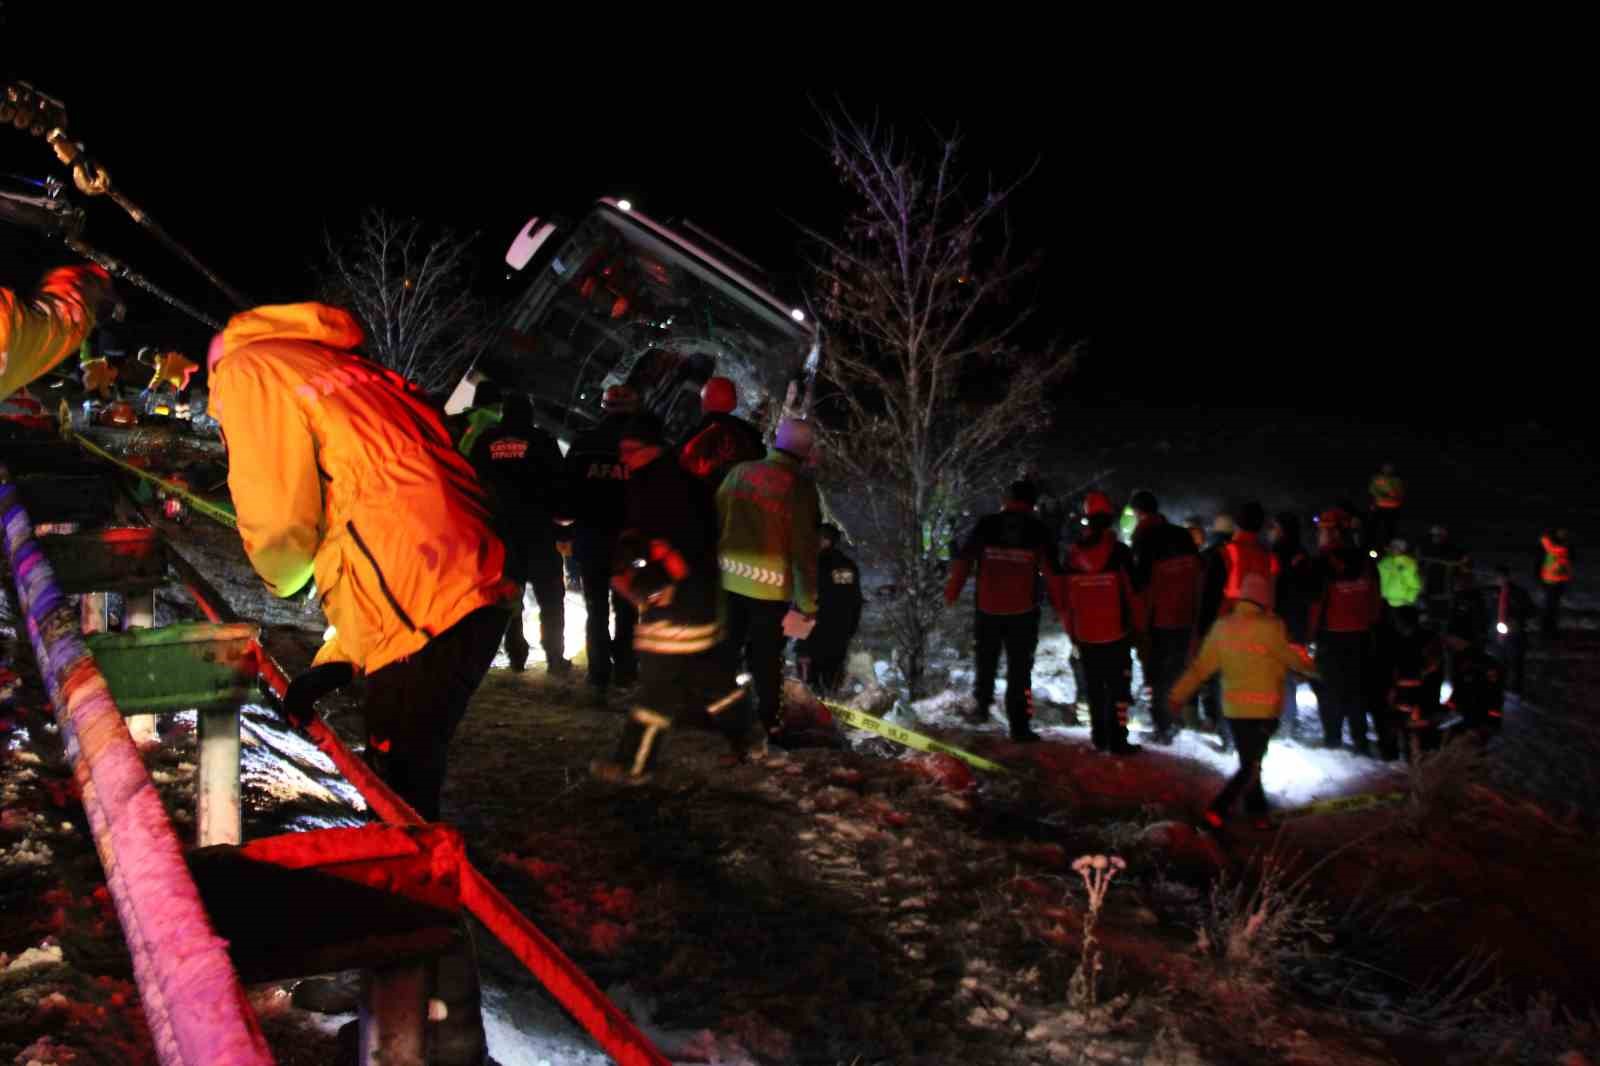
{"type": "Point", "coordinates": [559, 667]}
{"type": "Point", "coordinates": [1025, 735]}
{"type": "Point", "coordinates": [979, 715]}
{"type": "Point", "coordinates": [1122, 747]}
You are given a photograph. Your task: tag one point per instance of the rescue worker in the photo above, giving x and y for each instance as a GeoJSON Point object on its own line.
{"type": "Point", "coordinates": [1166, 578]}
{"type": "Point", "coordinates": [484, 414]}
{"type": "Point", "coordinates": [1388, 494]}
{"type": "Point", "coordinates": [1214, 569]}
{"type": "Point", "coordinates": [1342, 619]}
{"type": "Point", "coordinates": [1100, 614]}
{"type": "Point", "coordinates": [521, 466]}
{"type": "Point", "coordinates": [97, 375]}
{"type": "Point", "coordinates": [722, 440]}
{"type": "Point", "coordinates": [666, 566]}
{"type": "Point", "coordinates": [342, 473]}
{"type": "Point", "coordinates": [1555, 574]}
{"type": "Point", "coordinates": [1398, 580]}
{"type": "Point", "coordinates": [1468, 624]}
{"type": "Point", "coordinates": [768, 515]}
{"type": "Point", "coordinates": [1251, 650]}
{"type": "Point", "coordinates": [169, 370]}
{"type": "Point", "coordinates": [36, 335]}
{"type": "Point", "coordinates": [1293, 593]}
{"type": "Point", "coordinates": [1513, 610]}
{"type": "Point", "coordinates": [1442, 557]}
{"type": "Point", "coordinates": [1196, 527]}
{"type": "Point", "coordinates": [1478, 694]}
{"type": "Point", "coordinates": [1244, 554]}
{"type": "Point", "coordinates": [822, 654]}
{"type": "Point", "coordinates": [1408, 719]}
{"type": "Point", "coordinates": [1010, 550]}
{"type": "Point", "coordinates": [597, 483]}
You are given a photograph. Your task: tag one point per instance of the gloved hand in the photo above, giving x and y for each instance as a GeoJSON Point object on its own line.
{"type": "Point", "coordinates": [298, 705]}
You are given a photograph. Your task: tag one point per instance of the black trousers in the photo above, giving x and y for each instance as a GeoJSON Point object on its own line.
{"type": "Point", "coordinates": [677, 690]}
{"type": "Point", "coordinates": [544, 575]}
{"type": "Point", "coordinates": [610, 655]}
{"type": "Point", "coordinates": [1250, 735]}
{"type": "Point", "coordinates": [412, 706]}
{"type": "Point", "coordinates": [1107, 670]}
{"type": "Point", "coordinates": [1018, 635]}
{"type": "Point", "coordinates": [1513, 656]}
{"type": "Point", "coordinates": [1343, 662]}
{"type": "Point", "coordinates": [1169, 654]}
{"type": "Point", "coordinates": [754, 640]}
{"type": "Point", "coordinates": [1550, 620]}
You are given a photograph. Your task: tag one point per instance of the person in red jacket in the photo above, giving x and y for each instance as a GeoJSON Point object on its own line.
{"type": "Point", "coordinates": [1341, 621]}
{"type": "Point", "coordinates": [1101, 614]}
{"type": "Point", "coordinates": [1010, 550]}
{"type": "Point", "coordinates": [1166, 576]}
{"type": "Point", "coordinates": [1245, 554]}
{"type": "Point", "coordinates": [722, 440]}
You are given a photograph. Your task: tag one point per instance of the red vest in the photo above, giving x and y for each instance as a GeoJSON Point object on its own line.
{"type": "Point", "coordinates": [1246, 555]}
{"type": "Point", "coordinates": [1099, 601]}
{"type": "Point", "coordinates": [1351, 604]}
{"type": "Point", "coordinates": [1557, 568]}
{"type": "Point", "coordinates": [1174, 593]}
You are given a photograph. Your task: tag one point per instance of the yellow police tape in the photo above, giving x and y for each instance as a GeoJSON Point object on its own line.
{"type": "Point", "coordinates": [910, 738]}
{"type": "Point", "coordinates": [1342, 805]}
{"type": "Point", "coordinates": [204, 506]}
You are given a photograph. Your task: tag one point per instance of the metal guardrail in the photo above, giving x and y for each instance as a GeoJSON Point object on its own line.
{"type": "Point", "coordinates": [190, 992]}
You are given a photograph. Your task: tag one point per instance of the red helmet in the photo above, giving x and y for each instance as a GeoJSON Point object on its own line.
{"type": "Point", "coordinates": [620, 398]}
{"type": "Point", "coordinates": [718, 396]}
{"type": "Point", "coordinates": [1333, 518]}
{"type": "Point", "coordinates": [1096, 502]}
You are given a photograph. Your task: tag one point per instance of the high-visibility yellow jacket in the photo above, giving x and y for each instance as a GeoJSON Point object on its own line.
{"type": "Point", "coordinates": [1251, 647]}
{"type": "Point", "coordinates": [38, 334]}
{"type": "Point", "coordinates": [339, 471]}
{"type": "Point", "coordinates": [1399, 580]}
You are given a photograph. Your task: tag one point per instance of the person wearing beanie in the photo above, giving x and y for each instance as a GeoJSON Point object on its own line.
{"type": "Point", "coordinates": [1010, 550]}
{"type": "Point", "coordinates": [1167, 579]}
{"type": "Point", "coordinates": [768, 514]}
{"type": "Point", "coordinates": [597, 483]}
{"type": "Point", "coordinates": [722, 440]}
{"type": "Point", "coordinates": [1250, 649]}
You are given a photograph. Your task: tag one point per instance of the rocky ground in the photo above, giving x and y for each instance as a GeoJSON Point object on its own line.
{"type": "Point", "coordinates": [873, 905]}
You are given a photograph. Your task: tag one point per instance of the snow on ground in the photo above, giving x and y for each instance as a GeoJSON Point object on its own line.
{"type": "Point", "coordinates": [574, 621]}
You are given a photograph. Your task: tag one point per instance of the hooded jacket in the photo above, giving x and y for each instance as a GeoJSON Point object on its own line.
{"type": "Point", "coordinates": [769, 514]}
{"type": "Point", "coordinates": [36, 335]}
{"type": "Point", "coordinates": [340, 472]}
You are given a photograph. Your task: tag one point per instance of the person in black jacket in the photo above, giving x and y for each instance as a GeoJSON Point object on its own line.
{"type": "Point", "coordinates": [1295, 592]}
{"type": "Point", "coordinates": [1214, 565]}
{"type": "Point", "coordinates": [597, 480]}
{"type": "Point", "coordinates": [1513, 614]}
{"type": "Point", "coordinates": [666, 565]}
{"type": "Point", "coordinates": [523, 471]}
{"type": "Point", "coordinates": [1166, 576]}
{"type": "Point", "coordinates": [822, 654]}
{"type": "Point", "coordinates": [722, 440]}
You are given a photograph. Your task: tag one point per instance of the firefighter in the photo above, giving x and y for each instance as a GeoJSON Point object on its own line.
{"type": "Point", "coordinates": [1441, 558]}
{"type": "Point", "coordinates": [1341, 620]}
{"type": "Point", "coordinates": [1100, 614]}
{"type": "Point", "coordinates": [1409, 714]}
{"type": "Point", "coordinates": [1010, 550]}
{"type": "Point", "coordinates": [1513, 610]}
{"type": "Point", "coordinates": [722, 440]}
{"type": "Point", "coordinates": [1251, 651]}
{"type": "Point", "coordinates": [1244, 554]}
{"type": "Point", "coordinates": [666, 566]}
{"type": "Point", "coordinates": [341, 473]}
{"type": "Point", "coordinates": [822, 654]}
{"type": "Point", "coordinates": [1555, 574]}
{"type": "Point", "coordinates": [521, 466]}
{"type": "Point", "coordinates": [96, 374]}
{"type": "Point", "coordinates": [597, 482]}
{"type": "Point", "coordinates": [1167, 578]}
{"type": "Point", "coordinates": [36, 335]}
{"type": "Point", "coordinates": [1388, 494]}
{"type": "Point", "coordinates": [768, 515]}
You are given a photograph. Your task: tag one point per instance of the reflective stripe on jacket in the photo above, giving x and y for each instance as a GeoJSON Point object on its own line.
{"type": "Point", "coordinates": [768, 511]}
{"type": "Point", "coordinates": [339, 471]}
{"type": "Point", "coordinates": [1251, 649]}
{"type": "Point", "coordinates": [1557, 568]}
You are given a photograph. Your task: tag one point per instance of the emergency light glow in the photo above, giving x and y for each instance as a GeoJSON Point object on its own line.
{"type": "Point", "coordinates": [742, 679]}
{"type": "Point", "coordinates": [624, 205]}
{"type": "Point", "coordinates": [797, 314]}
{"type": "Point", "coordinates": [1374, 554]}
{"type": "Point", "coordinates": [1502, 628]}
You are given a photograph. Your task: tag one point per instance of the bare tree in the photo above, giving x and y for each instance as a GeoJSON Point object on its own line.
{"type": "Point", "coordinates": [411, 288]}
{"type": "Point", "coordinates": [927, 398]}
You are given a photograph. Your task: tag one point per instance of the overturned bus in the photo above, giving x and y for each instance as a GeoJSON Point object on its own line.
{"type": "Point", "coordinates": [620, 298]}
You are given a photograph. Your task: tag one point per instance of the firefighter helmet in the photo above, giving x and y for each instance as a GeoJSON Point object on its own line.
{"type": "Point", "coordinates": [1096, 502]}
{"type": "Point", "coordinates": [622, 399]}
{"type": "Point", "coordinates": [718, 396]}
{"type": "Point", "coordinates": [1333, 518]}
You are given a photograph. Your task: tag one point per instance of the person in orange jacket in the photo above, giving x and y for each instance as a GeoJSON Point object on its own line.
{"type": "Point", "coordinates": [36, 335]}
{"type": "Point", "coordinates": [342, 475]}
{"type": "Point", "coordinates": [1101, 614]}
{"type": "Point", "coordinates": [1555, 574]}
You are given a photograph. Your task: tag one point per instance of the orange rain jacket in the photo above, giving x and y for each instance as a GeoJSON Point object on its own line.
{"type": "Point", "coordinates": [339, 471]}
{"type": "Point", "coordinates": [35, 337]}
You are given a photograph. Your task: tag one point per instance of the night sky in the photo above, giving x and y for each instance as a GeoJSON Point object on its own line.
{"type": "Point", "coordinates": [1220, 236]}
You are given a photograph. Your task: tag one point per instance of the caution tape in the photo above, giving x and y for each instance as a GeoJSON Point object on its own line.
{"type": "Point", "coordinates": [1343, 805]}
{"type": "Point", "coordinates": [910, 738]}
{"type": "Point", "coordinates": [216, 512]}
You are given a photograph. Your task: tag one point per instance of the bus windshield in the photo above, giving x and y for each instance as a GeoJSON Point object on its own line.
{"type": "Point", "coordinates": [618, 302]}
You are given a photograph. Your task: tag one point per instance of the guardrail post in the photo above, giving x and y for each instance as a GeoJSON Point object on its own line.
{"type": "Point", "coordinates": [218, 817]}
{"type": "Point", "coordinates": [139, 612]}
